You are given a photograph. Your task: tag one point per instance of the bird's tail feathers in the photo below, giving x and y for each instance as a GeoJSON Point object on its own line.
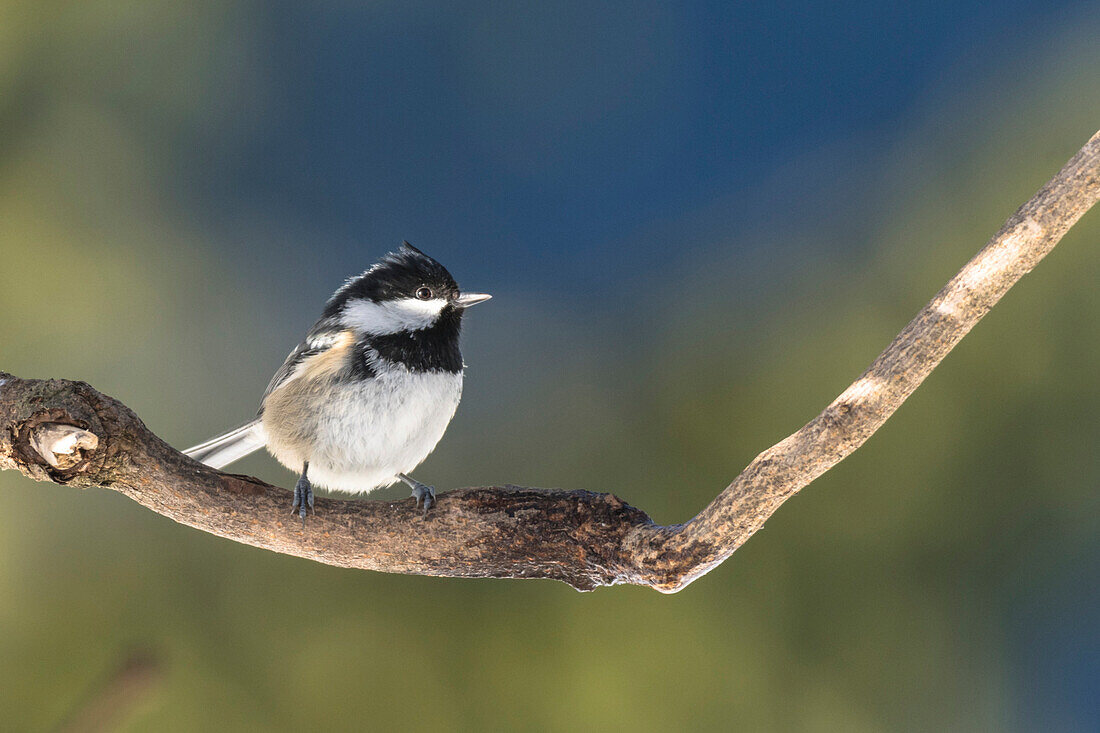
{"type": "Point", "coordinates": [229, 447]}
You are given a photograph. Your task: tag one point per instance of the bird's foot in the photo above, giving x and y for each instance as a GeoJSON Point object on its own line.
{"type": "Point", "coordinates": [424, 493]}
{"type": "Point", "coordinates": [303, 499]}
{"type": "Point", "coordinates": [420, 492]}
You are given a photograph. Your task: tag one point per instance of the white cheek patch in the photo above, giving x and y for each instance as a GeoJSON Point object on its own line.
{"type": "Point", "coordinates": [391, 316]}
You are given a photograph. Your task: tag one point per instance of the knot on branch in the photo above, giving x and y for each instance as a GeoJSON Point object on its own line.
{"type": "Point", "coordinates": [53, 445]}
{"type": "Point", "coordinates": [63, 446]}
{"type": "Point", "coordinates": [51, 429]}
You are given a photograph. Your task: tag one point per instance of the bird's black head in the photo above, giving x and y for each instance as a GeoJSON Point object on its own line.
{"type": "Point", "coordinates": [405, 291]}
{"type": "Point", "coordinates": [407, 273]}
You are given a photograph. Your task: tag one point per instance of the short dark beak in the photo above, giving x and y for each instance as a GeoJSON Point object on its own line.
{"type": "Point", "coordinates": [467, 299]}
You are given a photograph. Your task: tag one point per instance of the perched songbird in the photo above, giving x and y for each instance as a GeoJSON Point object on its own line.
{"type": "Point", "coordinates": [370, 391]}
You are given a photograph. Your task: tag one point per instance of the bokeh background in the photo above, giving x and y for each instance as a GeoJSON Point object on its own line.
{"type": "Point", "coordinates": [700, 222]}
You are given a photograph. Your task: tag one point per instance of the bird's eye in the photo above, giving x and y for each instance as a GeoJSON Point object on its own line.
{"type": "Point", "coordinates": [424, 293]}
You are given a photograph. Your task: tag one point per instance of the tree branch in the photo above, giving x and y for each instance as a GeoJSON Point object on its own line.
{"type": "Point", "coordinates": [68, 433]}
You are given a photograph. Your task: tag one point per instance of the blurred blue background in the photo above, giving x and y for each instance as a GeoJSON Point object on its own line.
{"type": "Point", "coordinates": [700, 221]}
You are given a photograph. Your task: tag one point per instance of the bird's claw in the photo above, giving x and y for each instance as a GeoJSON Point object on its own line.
{"type": "Point", "coordinates": [420, 492]}
{"type": "Point", "coordinates": [425, 493]}
{"type": "Point", "coordinates": [303, 499]}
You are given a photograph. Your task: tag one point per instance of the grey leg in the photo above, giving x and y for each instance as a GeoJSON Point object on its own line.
{"type": "Point", "coordinates": [420, 491]}
{"type": "Point", "coordinates": [303, 495]}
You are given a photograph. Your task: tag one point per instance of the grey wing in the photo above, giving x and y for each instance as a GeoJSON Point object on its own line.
{"type": "Point", "coordinates": [322, 336]}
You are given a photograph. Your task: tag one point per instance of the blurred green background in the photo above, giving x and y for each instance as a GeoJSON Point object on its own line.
{"type": "Point", "coordinates": [701, 223]}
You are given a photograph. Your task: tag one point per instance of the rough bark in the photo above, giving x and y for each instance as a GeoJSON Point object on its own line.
{"type": "Point", "coordinates": [582, 538]}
